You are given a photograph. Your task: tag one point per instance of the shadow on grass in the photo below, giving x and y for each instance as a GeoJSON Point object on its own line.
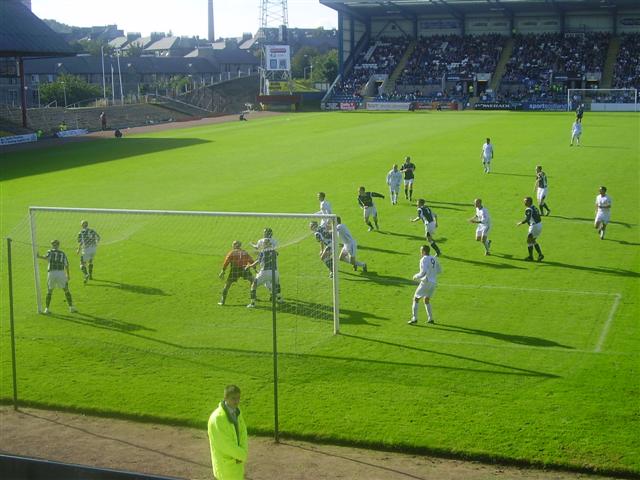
{"type": "Point", "coordinates": [467, 205]}
{"type": "Point", "coordinates": [132, 330]}
{"type": "Point", "coordinates": [511, 174]}
{"type": "Point", "coordinates": [483, 264]}
{"type": "Point", "coordinates": [324, 312]}
{"type": "Point", "coordinates": [583, 219]}
{"type": "Point", "coordinates": [515, 370]}
{"type": "Point", "coordinates": [517, 339]}
{"type": "Point", "coordinates": [381, 250]}
{"type": "Point", "coordinates": [404, 235]}
{"type": "Point", "coordinates": [139, 289]}
{"type": "Point", "coordinates": [24, 164]}
{"type": "Point", "coordinates": [89, 320]}
{"type": "Point", "coordinates": [374, 277]}
{"type": "Point", "coordinates": [547, 263]}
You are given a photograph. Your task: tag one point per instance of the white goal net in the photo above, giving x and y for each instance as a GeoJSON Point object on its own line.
{"type": "Point", "coordinates": [603, 99]}
{"type": "Point", "coordinates": [168, 264]}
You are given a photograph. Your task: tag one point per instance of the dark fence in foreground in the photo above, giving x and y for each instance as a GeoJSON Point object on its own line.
{"type": "Point", "coordinates": [13, 467]}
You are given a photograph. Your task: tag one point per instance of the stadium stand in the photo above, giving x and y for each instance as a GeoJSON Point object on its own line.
{"type": "Point", "coordinates": [48, 119]}
{"type": "Point", "coordinates": [627, 69]}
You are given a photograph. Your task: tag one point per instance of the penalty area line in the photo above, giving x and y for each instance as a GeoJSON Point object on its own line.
{"type": "Point", "coordinates": [542, 290]}
{"type": "Point", "coordinates": [607, 324]}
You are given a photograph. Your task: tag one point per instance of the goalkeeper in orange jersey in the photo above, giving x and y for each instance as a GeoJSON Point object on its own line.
{"type": "Point", "coordinates": [237, 259]}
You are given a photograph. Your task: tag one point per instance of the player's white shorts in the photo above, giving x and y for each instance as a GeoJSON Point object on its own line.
{"type": "Point", "coordinates": [349, 249]}
{"type": "Point", "coordinates": [88, 253]}
{"type": "Point", "coordinates": [602, 217]}
{"type": "Point", "coordinates": [264, 277]}
{"type": "Point", "coordinates": [394, 187]}
{"type": "Point", "coordinates": [368, 211]}
{"type": "Point", "coordinates": [486, 160]}
{"type": "Point", "coordinates": [541, 193]}
{"type": "Point", "coordinates": [482, 230]}
{"type": "Point", "coordinates": [430, 228]}
{"type": "Point", "coordinates": [408, 182]}
{"type": "Point", "coordinates": [425, 289]}
{"type": "Point", "coordinates": [57, 279]}
{"type": "Point", "coordinates": [535, 230]}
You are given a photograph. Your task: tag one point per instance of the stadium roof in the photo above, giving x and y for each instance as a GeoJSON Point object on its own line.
{"type": "Point", "coordinates": [381, 8]}
{"type": "Point", "coordinates": [22, 34]}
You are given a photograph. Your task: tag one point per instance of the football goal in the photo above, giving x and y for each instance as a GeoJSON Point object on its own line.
{"type": "Point", "coordinates": [603, 99]}
{"type": "Point", "coordinates": [184, 251]}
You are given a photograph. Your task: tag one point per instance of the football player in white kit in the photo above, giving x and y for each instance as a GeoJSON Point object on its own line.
{"type": "Point", "coordinates": [483, 220]}
{"type": "Point", "coordinates": [349, 246]}
{"type": "Point", "coordinates": [603, 211]}
{"type": "Point", "coordinates": [267, 242]}
{"type": "Point", "coordinates": [325, 207]}
{"type": "Point", "coordinates": [487, 155]}
{"type": "Point", "coordinates": [394, 180]}
{"type": "Point", "coordinates": [576, 132]}
{"type": "Point", "coordinates": [428, 278]}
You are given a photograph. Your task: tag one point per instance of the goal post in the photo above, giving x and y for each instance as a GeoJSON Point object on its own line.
{"type": "Point", "coordinates": [131, 235]}
{"type": "Point", "coordinates": [603, 99]}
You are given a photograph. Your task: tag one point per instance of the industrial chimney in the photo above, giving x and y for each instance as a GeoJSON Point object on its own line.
{"type": "Point", "coordinates": [212, 36]}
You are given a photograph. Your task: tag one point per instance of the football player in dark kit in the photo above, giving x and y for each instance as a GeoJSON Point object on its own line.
{"type": "Point", "coordinates": [408, 168]}
{"type": "Point", "coordinates": [365, 200]}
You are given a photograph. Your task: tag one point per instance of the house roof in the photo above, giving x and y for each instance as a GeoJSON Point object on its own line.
{"type": "Point", "coordinates": [22, 34]}
{"type": "Point", "coordinates": [119, 42]}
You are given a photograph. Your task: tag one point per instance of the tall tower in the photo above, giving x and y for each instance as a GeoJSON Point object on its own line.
{"type": "Point", "coordinates": [277, 68]}
{"type": "Point", "coordinates": [212, 35]}
{"type": "Point", "coordinates": [273, 13]}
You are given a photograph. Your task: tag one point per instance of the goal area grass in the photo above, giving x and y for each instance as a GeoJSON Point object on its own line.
{"type": "Point", "coordinates": [528, 362]}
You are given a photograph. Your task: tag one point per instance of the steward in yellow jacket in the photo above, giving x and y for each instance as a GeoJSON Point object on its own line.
{"type": "Point", "coordinates": [228, 437]}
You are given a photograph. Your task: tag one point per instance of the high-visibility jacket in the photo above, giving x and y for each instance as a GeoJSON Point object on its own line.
{"type": "Point", "coordinates": [228, 443]}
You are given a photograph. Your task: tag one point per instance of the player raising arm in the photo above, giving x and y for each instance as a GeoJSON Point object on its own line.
{"type": "Point", "coordinates": [57, 274]}
{"type": "Point", "coordinates": [268, 260]}
{"type": "Point", "coordinates": [365, 200]}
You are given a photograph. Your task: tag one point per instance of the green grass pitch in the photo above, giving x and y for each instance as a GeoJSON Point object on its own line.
{"type": "Point", "coordinates": [533, 363]}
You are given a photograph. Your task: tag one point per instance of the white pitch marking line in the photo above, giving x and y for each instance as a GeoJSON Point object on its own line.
{"type": "Point", "coordinates": [500, 287]}
{"type": "Point", "coordinates": [607, 325]}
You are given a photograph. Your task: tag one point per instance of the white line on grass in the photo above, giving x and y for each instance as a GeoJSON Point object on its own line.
{"type": "Point", "coordinates": [550, 290]}
{"type": "Point", "coordinates": [607, 324]}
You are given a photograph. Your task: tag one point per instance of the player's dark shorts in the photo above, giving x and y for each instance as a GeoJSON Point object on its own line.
{"type": "Point", "coordinates": [237, 273]}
